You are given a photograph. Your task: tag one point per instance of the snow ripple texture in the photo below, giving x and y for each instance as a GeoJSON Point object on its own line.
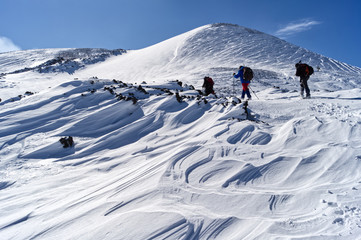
{"type": "Point", "coordinates": [149, 165]}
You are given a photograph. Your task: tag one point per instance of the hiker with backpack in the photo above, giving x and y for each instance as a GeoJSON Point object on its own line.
{"type": "Point", "coordinates": [245, 74]}
{"type": "Point", "coordinates": [208, 86]}
{"type": "Point", "coordinates": [304, 71]}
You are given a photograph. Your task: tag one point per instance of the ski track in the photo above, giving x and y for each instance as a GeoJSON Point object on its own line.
{"type": "Point", "coordinates": [195, 169]}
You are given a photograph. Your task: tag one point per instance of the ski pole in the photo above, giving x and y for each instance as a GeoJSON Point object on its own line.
{"type": "Point", "coordinates": [253, 92]}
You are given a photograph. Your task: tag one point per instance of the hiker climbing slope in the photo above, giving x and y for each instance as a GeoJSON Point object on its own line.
{"type": "Point", "coordinates": [245, 74]}
{"type": "Point", "coordinates": [304, 71]}
{"type": "Point", "coordinates": [208, 86]}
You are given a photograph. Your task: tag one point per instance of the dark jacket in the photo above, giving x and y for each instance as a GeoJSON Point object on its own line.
{"type": "Point", "coordinates": [208, 85]}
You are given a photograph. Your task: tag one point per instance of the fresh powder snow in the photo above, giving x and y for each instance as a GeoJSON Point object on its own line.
{"type": "Point", "coordinates": [154, 159]}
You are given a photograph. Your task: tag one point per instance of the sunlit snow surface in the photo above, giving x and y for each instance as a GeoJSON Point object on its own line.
{"type": "Point", "coordinates": [147, 166]}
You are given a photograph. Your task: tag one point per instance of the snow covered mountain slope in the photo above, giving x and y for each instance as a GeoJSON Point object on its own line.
{"type": "Point", "coordinates": [218, 50]}
{"type": "Point", "coordinates": [159, 161]}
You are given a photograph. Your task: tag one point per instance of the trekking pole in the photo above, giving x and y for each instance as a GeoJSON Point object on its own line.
{"type": "Point", "coordinates": [234, 85]}
{"type": "Point", "coordinates": [253, 92]}
{"type": "Point", "coordinates": [233, 92]}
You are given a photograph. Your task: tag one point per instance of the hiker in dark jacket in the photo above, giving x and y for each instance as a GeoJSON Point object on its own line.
{"type": "Point", "coordinates": [244, 82]}
{"type": "Point", "coordinates": [208, 86]}
{"type": "Point", "coordinates": [304, 71]}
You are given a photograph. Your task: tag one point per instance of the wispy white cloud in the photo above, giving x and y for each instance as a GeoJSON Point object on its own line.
{"type": "Point", "coordinates": [296, 27]}
{"type": "Point", "coordinates": [6, 45]}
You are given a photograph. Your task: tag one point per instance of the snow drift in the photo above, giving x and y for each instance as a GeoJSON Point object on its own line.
{"type": "Point", "coordinates": [153, 159]}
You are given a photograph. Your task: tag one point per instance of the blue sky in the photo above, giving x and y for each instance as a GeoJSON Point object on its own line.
{"type": "Point", "coordinates": [331, 28]}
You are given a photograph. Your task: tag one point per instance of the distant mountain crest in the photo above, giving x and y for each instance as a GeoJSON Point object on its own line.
{"type": "Point", "coordinates": [67, 60]}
